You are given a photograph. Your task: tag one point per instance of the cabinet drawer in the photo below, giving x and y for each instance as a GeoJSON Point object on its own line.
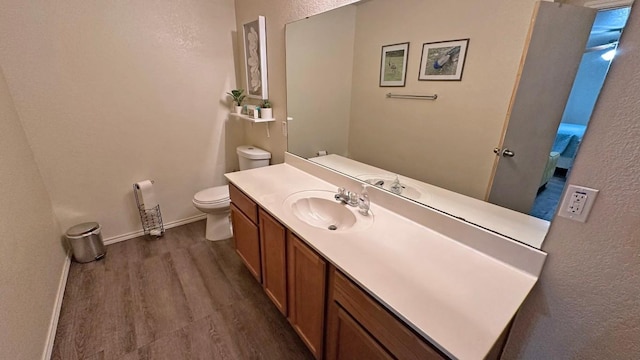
{"type": "Point", "coordinates": [393, 334]}
{"type": "Point", "coordinates": [244, 203]}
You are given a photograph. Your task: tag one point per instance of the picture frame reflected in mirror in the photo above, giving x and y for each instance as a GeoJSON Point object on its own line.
{"type": "Point", "coordinates": [393, 65]}
{"type": "Point", "coordinates": [443, 60]}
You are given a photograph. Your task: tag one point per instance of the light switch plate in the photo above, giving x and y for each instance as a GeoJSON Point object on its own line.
{"type": "Point", "coordinates": [577, 202]}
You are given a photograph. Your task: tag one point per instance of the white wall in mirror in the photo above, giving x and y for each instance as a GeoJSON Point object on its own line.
{"type": "Point", "coordinates": [322, 97]}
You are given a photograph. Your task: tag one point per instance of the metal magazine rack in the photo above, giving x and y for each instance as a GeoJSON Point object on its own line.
{"type": "Point", "coordinates": [151, 219]}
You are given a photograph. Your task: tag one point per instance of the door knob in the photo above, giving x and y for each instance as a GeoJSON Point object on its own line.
{"type": "Point", "coordinates": [507, 153]}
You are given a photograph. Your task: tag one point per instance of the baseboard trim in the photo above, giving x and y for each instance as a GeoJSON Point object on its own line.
{"type": "Point", "coordinates": [53, 325]}
{"type": "Point", "coordinates": [169, 225]}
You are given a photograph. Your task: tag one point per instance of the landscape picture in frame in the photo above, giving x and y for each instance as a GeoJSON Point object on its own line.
{"type": "Point", "coordinates": [443, 60]}
{"type": "Point", "coordinates": [393, 64]}
{"type": "Point", "coordinates": [255, 56]}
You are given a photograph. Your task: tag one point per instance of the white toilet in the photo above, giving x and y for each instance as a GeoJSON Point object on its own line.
{"type": "Point", "coordinates": [215, 201]}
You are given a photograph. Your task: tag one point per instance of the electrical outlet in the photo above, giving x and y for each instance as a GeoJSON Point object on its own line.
{"type": "Point", "coordinates": [577, 202]}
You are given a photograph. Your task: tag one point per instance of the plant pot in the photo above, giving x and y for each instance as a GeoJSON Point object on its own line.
{"type": "Point", "coordinates": [238, 109]}
{"type": "Point", "coordinates": [266, 113]}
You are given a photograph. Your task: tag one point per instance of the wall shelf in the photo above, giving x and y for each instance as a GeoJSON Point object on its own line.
{"type": "Point", "coordinates": [251, 119]}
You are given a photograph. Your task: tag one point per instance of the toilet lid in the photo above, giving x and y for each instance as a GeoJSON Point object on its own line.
{"type": "Point", "coordinates": [213, 195]}
{"type": "Point", "coordinates": [252, 152]}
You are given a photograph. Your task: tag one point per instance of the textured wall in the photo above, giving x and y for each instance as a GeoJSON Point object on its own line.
{"type": "Point", "coordinates": [110, 93]}
{"type": "Point", "coordinates": [31, 257]}
{"type": "Point", "coordinates": [278, 13]}
{"type": "Point", "coordinates": [587, 302]}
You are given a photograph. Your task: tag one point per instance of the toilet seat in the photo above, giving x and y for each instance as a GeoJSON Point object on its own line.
{"type": "Point", "coordinates": [215, 201]}
{"type": "Point", "coordinates": [214, 197]}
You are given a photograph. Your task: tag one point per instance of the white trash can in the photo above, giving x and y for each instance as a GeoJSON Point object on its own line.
{"type": "Point", "coordinates": [86, 242]}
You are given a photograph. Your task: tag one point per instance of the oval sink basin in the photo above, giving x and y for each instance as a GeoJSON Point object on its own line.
{"type": "Point", "coordinates": [319, 209]}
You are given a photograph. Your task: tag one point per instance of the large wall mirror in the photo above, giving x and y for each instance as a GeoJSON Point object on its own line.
{"type": "Point", "coordinates": [431, 148]}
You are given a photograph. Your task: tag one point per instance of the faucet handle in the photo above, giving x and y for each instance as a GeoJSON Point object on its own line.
{"type": "Point", "coordinates": [342, 191]}
{"type": "Point", "coordinates": [353, 198]}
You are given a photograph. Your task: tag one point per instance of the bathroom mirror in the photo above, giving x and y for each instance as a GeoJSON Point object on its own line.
{"type": "Point", "coordinates": [448, 142]}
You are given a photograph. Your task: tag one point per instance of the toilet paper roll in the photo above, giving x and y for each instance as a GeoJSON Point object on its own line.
{"type": "Point", "coordinates": [147, 195]}
{"type": "Point", "coordinates": [322, 152]}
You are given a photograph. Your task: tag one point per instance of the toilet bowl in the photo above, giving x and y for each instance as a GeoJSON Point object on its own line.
{"type": "Point", "coordinates": [215, 201]}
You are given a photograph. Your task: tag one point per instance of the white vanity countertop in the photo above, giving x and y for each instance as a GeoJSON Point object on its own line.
{"type": "Point", "coordinates": [455, 296]}
{"type": "Point", "coordinates": [522, 227]}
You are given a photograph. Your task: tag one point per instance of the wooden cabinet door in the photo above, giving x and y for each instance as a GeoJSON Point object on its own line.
{"type": "Point", "coordinates": [274, 266]}
{"type": "Point", "coordinates": [307, 280]}
{"type": "Point", "coordinates": [347, 340]}
{"type": "Point", "coordinates": [247, 242]}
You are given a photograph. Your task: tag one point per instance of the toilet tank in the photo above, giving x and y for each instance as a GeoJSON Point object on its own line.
{"type": "Point", "coordinates": [251, 157]}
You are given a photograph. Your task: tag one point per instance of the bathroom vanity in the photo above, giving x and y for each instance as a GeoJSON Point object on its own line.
{"type": "Point", "coordinates": [404, 281]}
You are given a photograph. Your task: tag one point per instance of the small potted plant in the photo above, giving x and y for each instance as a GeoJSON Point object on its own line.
{"type": "Point", "coordinates": [265, 110]}
{"type": "Point", "coordinates": [238, 97]}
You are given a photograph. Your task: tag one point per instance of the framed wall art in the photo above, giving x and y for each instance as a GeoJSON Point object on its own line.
{"type": "Point", "coordinates": [255, 58]}
{"type": "Point", "coordinates": [393, 64]}
{"type": "Point", "coordinates": [443, 60]}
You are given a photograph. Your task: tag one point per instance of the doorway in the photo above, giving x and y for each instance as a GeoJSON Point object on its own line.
{"type": "Point", "coordinates": [594, 66]}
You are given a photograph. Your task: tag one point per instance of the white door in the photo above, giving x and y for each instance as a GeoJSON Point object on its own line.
{"type": "Point", "coordinates": [556, 42]}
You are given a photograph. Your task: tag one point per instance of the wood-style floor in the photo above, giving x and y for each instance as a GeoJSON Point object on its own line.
{"type": "Point", "coordinates": [176, 297]}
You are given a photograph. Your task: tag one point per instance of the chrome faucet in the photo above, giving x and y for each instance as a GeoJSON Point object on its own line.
{"type": "Point", "coordinates": [354, 199]}
{"type": "Point", "coordinates": [347, 197]}
{"type": "Point", "coordinates": [342, 195]}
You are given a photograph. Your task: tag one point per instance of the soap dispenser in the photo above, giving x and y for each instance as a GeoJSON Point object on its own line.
{"type": "Point", "coordinates": [396, 187]}
{"type": "Point", "coordinates": [363, 202]}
